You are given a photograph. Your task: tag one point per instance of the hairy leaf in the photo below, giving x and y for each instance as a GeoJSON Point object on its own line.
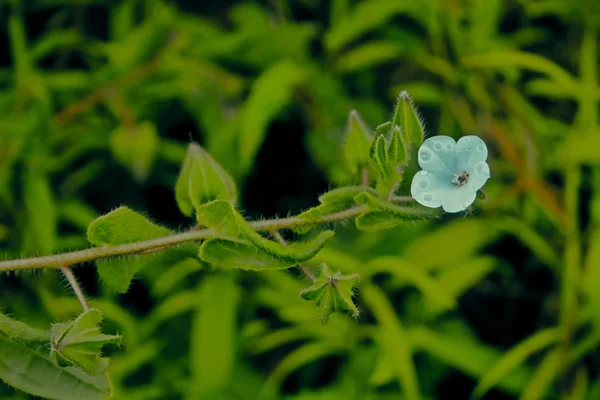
{"type": "Point", "coordinates": [220, 216]}
{"type": "Point", "coordinates": [18, 330]}
{"type": "Point", "coordinates": [202, 180]}
{"type": "Point", "coordinates": [121, 226]}
{"type": "Point", "coordinates": [28, 369]}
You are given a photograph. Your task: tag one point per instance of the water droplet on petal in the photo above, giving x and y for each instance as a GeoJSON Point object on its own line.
{"type": "Point", "coordinates": [425, 155]}
{"type": "Point", "coordinates": [480, 148]}
{"type": "Point", "coordinates": [427, 197]}
{"type": "Point", "coordinates": [423, 184]}
{"type": "Point", "coordinates": [437, 146]}
{"type": "Point", "coordinates": [449, 146]}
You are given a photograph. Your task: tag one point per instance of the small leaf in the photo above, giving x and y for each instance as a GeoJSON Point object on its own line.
{"type": "Point", "coordinates": [220, 216]}
{"type": "Point", "coordinates": [202, 180]}
{"type": "Point", "coordinates": [123, 225]}
{"type": "Point", "coordinates": [18, 330]}
{"type": "Point", "coordinates": [79, 342]}
{"type": "Point", "coordinates": [357, 144]}
{"type": "Point", "coordinates": [136, 148]}
{"type": "Point", "coordinates": [27, 369]}
{"type": "Point", "coordinates": [333, 292]}
{"type": "Point", "coordinates": [408, 119]}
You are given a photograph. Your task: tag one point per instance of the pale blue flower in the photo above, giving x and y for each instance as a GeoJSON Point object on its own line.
{"type": "Point", "coordinates": [452, 172]}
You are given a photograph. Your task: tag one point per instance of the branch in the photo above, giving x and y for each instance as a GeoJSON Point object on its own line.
{"type": "Point", "coordinates": [76, 257]}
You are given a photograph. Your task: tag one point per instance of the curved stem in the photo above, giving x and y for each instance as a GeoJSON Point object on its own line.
{"type": "Point", "coordinates": [66, 270]}
{"type": "Point", "coordinates": [75, 257]}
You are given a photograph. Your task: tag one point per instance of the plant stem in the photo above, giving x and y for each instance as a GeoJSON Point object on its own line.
{"type": "Point", "coordinates": [66, 270]}
{"type": "Point", "coordinates": [303, 267]}
{"type": "Point", "coordinates": [76, 257]}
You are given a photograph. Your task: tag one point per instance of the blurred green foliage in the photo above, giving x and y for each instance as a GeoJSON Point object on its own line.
{"type": "Point", "coordinates": [502, 304]}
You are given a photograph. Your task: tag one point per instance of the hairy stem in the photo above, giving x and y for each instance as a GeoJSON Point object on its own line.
{"type": "Point", "coordinates": [66, 270]}
{"type": "Point", "coordinates": [303, 267]}
{"type": "Point", "coordinates": [75, 257]}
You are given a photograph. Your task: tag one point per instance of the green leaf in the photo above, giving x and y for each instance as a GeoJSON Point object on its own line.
{"type": "Point", "coordinates": [40, 208]}
{"type": "Point", "coordinates": [415, 276]}
{"type": "Point", "coordinates": [213, 345]}
{"type": "Point", "coordinates": [408, 119]}
{"type": "Point", "coordinates": [223, 253]}
{"type": "Point", "coordinates": [270, 93]}
{"type": "Point", "coordinates": [202, 180]}
{"type": "Point", "coordinates": [357, 144]}
{"type": "Point", "coordinates": [515, 357]}
{"type": "Point", "coordinates": [29, 370]}
{"type": "Point", "coordinates": [451, 348]}
{"type": "Point", "coordinates": [369, 55]}
{"type": "Point", "coordinates": [80, 341]}
{"type": "Point", "coordinates": [332, 292]}
{"type": "Point", "coordinates": [394, 340]}
{"type": "Point", "coordinates": [401, 212]}
{"type": "Point", "coordinates": [117, 273]}
{"type": "Point", "coordinates": [126, 226]}
{"type": "Point", "coordinates": [364, 17]}
{"type": "Point", "coordinates": [18, 330]}
{"type": "Point", "coordinates": [220, 216]}
{"type": "Point", "coordinates": [136, 148]}
{"type": "Point", "coordinates": [451, 243]}
{"type": "Point", "coordinates": [123, 225]}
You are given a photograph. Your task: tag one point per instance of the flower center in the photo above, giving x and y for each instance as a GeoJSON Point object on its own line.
{"type": "Point", "coordinates": [461, 179]}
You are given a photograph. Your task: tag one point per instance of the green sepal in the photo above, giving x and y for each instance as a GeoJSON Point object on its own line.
{"type": "Point", "coordinates": [202, 180]}
{"type": "Point", "coordinates": [408, 119]}
{"type": "Point", "coordinates": [378, 155]}
{"type": "Point", "coordinates": [333, 292]}
{"type": "Point", "coordinates": [79, 342]}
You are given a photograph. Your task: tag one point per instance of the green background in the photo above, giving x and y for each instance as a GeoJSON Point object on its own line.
{"type": "Point", "coordinates": [99, 99]}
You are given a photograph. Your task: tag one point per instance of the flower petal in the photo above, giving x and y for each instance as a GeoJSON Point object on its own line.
{"type": "Point", "coordinates": [458, 199]}
{"type": "Point", "coordinates": [469, 151]}
{"type": "Point", "coordinates": [437, 155]}
{"type": "Point", "coordinates": [478, 175]}
{"type": "Point", "coordinates": [430, 189]}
